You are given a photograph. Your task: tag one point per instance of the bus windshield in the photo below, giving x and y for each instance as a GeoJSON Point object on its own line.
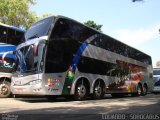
{"type": "Point", "coordinates": [156, 72]}
{"type": "Point", "coordinates": [28, 61]}
{"type": "Point", "coordinates": [39, 29]}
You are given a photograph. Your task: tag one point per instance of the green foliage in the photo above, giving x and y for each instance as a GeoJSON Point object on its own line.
{"type": "Point", "coordinates": [158, 64]}
{"type": "Point", "coordinates": [93, 25]}
{"type": "Point", "coordinates": [16, 13]}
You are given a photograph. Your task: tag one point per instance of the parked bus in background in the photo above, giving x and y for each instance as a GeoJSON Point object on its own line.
{"type": "Point", "coordinates": [10, 37]}
{"type": "Point", "coordinates": [61, 56]}
{"type": "Point", "coordinates": [156, 77]}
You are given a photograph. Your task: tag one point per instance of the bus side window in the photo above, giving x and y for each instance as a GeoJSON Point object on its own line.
{"type": "Point", "coordinates": [97, 42]}
{"type": "Point", "coordinates": [3, 34]}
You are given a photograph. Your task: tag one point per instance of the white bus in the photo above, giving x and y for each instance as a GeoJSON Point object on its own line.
{"type": "Point", "coordinates": [156, 78]}
{"type": "Point", "coordinates": [10, 37]}
{"type": "Point", "coordinates": [64, 57]}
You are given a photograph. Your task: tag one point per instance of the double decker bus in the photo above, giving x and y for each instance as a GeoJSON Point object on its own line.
{"type": "Point", "coordinates": [10, 37]}
{"type": "Point", "coordinates": [61, 56]}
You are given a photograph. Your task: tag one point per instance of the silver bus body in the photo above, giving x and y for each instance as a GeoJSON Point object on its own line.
{"type": "Point", "coordinates": [90, 64]}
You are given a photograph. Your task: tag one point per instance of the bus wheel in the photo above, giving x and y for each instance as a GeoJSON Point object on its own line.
{"type": "Point", "coordinates": [144, 90]}
{"type": "Point", "coordinates": [5, 90]}
{"type": "Point", "coordinates": [80, 91]}
{"type": "Point", "coordinates": [139, 90]}
{"type": "Point", "coordinates": [98, 90]}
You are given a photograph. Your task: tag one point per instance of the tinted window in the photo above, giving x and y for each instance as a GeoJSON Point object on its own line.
{"type": "Point", "coordinates": [15, 37]}
{"type": "Point", "coordinates": [65, 40]}
{"type": "Point", "coordinates": [41, 56]}
{"type": "Point", "coordinates": [60, 55]}
{"type": "Point", "coordinates": [109, 44]}
{"type": "Point", "coordinates": [3, 34]}
{"type": "Point", "coordinates": [25, 58]}
{"type": "Point", "coordinates": [10, 36]}
{"type": "Point", "coordinates": [157, 83]}
{"type": "Point", "coordinates": [113, 45]}
{"type": "Point", "coordinates": [30, 59]}
{"type": "Point", "coordinates": [94, 66]}
{"type": "Point", "coordinates": [68, 29]}
{"type": "Point", "coordinates": [39, 29]}
{"type": "Point", "coordinates": [156, 72]}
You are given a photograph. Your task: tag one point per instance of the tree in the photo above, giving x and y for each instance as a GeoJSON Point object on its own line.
{"type": "Point", "coordinates": [158, 64]}
{"type": "Point", "coordinates": [93, 25]}
{"type": "Point", "coordinates": [16, 13]}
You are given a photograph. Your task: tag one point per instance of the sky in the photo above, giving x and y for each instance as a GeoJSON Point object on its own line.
{"type": "Point", "coordinates": [134, 23]}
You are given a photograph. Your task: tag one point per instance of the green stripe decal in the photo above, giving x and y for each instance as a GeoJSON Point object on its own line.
{"type": "Point", "coordinates": [71, 71]}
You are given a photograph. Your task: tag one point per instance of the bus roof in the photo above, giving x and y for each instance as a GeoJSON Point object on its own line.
{"type": "Point", "coordinates": [12, 27]}
{"type": "Point", "coordinates": [60, 16]}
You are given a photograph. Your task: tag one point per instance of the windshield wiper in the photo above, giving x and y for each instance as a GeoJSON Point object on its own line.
{"type": "Point", "coordinates": [34, 36]}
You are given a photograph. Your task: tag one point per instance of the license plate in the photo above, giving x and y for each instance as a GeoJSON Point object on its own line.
{"type": "Point", "coordinates": [19, 90]}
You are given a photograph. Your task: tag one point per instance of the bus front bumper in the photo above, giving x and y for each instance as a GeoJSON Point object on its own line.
{"type": "Point", "coordinates": [28, 90]}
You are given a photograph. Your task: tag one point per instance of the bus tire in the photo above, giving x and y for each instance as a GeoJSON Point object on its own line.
{"type": "Point", "coordinates": [14, 96]}
{"type": "Point", "coordinates": [144, 90]}
{"type": "Point", "coordinates": [98, 90]}
{"type": "Point", "coordinates": [81, 91]}
{"type": "Point", "coordinates": [5, 90]}
{"type": "Point", "coordinates": [139, 91]}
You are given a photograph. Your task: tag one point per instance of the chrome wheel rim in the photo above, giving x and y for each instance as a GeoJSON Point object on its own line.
{"type": "Point", "coordinates": [98, 91]}
{"type": "Point", "coordinates": [81, 90]}
{"type": "Point", "coordinates": [3, 90]}
{"type": "Point", "coordinates": [139, 91]}
{"type": "Point", "coordinates": [144, 90]}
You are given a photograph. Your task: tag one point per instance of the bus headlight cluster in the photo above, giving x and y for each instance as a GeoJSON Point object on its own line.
{"type": "Point", "coordinates": [34, 82]}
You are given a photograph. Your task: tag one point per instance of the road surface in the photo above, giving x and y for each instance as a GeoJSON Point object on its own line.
{"type": "Point", "coordinates": [41, 108]}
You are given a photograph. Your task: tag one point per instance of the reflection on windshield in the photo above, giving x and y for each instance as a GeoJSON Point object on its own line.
{"type": "Point", "coordinates": [7, 66]}
{"type": "Point", "coordinates": [157, 83]}
{"type": "Point", "coordinates": [156, 72]}
{"type": "Point", "coordinates": [25, 58]}
{"type": "Point", "coordinates": [27, 61]}
{"type": "Point", "coordinates": [39, 29]}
